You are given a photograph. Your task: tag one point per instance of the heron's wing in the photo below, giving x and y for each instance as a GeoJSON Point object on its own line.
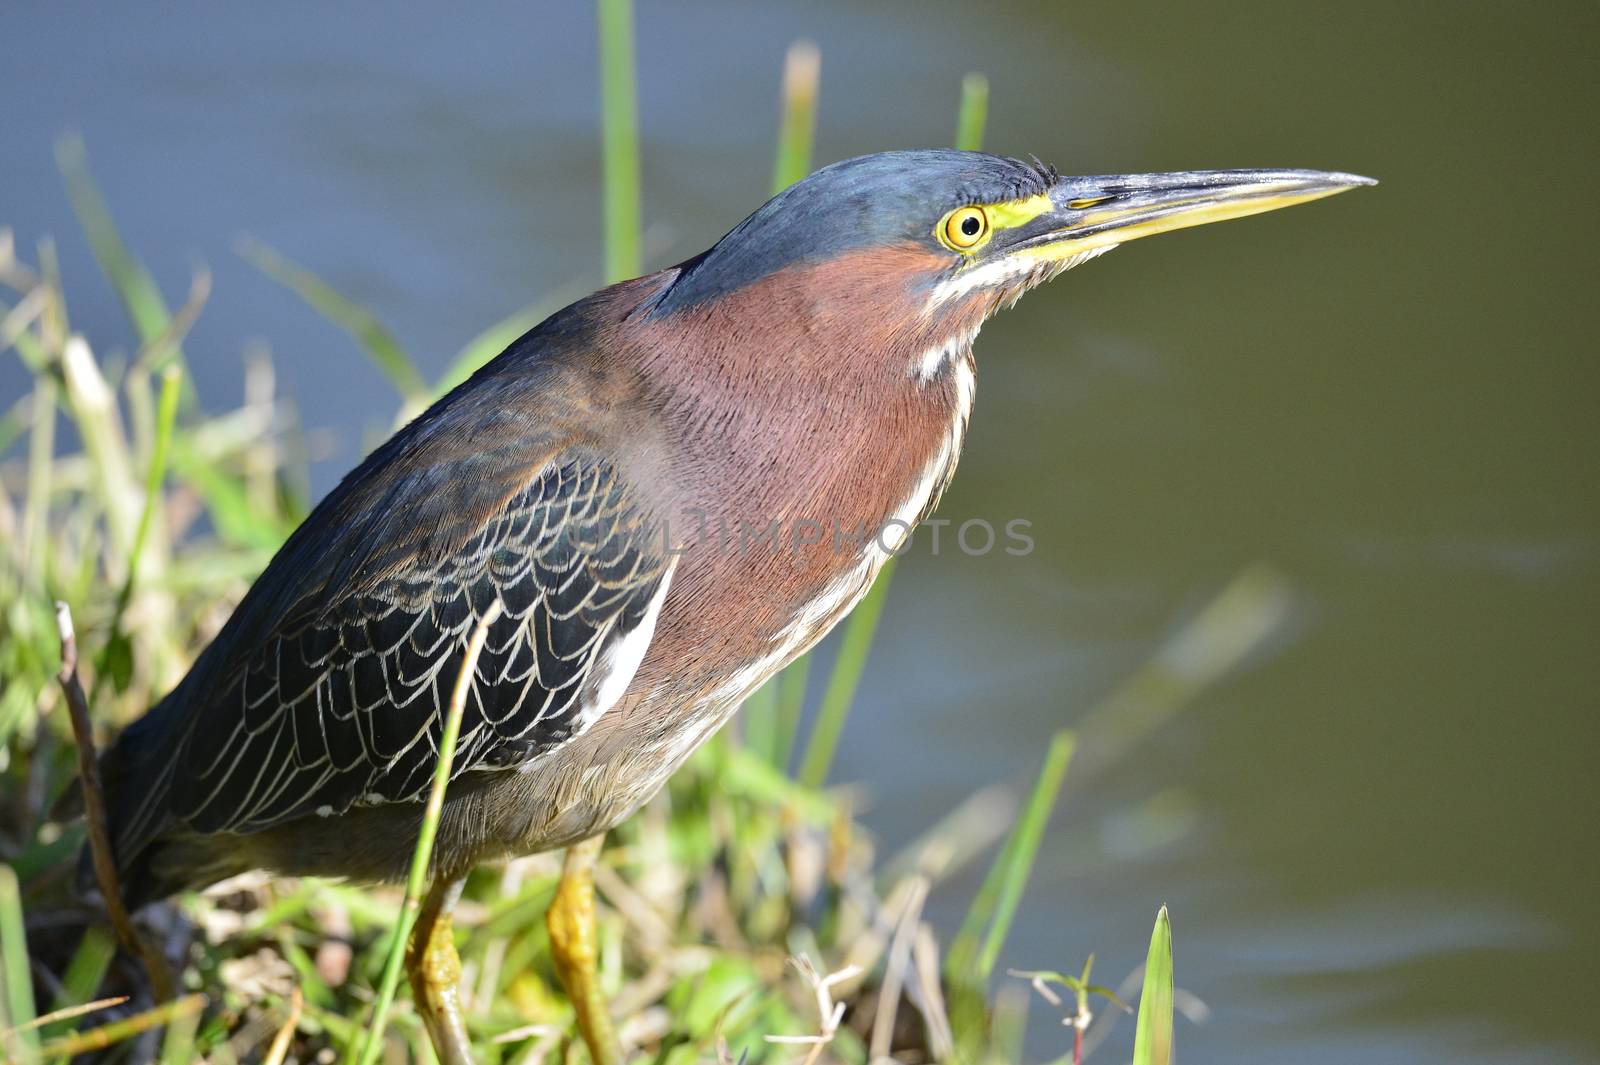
{"type": "Point", "coordinates": [344, 702]}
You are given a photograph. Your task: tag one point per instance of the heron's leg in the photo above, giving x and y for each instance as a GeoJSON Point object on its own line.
{"type": "Point", "coordinates": [436, 974]}
{"type": "Point", "coordinates": [574, 943]}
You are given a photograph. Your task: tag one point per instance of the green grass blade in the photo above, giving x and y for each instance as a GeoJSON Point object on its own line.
{"type": "Point", "coordinates": [14, 969]}
{"type": "Point", "coordinates": [802, 71]}
{"type": "Point", "coordinates": [239, 521]}
{"type": "Point", "coordinates": [1152, 1041]}
{"type": "Point", "coordinates": [973, 113]}
{"type": "Point", "coordinates": [843, 681]}
{"type": "Point", "coordinates": [146, 307]}
{"type": "Point", "coordinates": [166, 417]}
{"type": "Point", "coordinates": [30, 348]}
{"type": "Point", "coordinates": [41, 469]}
{"type": "Point", "coordinates": [743, 774]}
{"type": "Point", "coordinates": [962, 960]}
{"type": "Point", "coordinates": [53, 324]}
{"type": "Point", "coordinates": [177, 1046]}
{"type": "Point", "coordinates": [1023, 848]}
{"type": "Point", "coordinates": [375, 339]}
{"type": "Point", "coordinates": [87, 967]}
{"type": "Point", "coordinates": [1009, 1026]}
{"type": "Point", "coordinates": [619, 117]}
{"type": "Point", "coordinates": [13, 423]}
{"type": "Point", "coordinates": [994, 907]}
{"type": "Point", "coordinates": [416, 881]}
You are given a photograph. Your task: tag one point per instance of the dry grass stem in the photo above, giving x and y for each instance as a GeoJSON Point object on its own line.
{"type": "Point", "coordinates": [928, 993]}
{"type": "Point", "coordinates": [280, 1041]}
{"type": "Point", "coordinates": [894, 976]}
{"type": "Point", "coordinates": [118, 1031]}
{"type": "Point", "coordinates": [66, 1013]}
{"type": "Point", "coordinates": [829, 1012]}
{"type": "Point", "coordinates": [94, 805]}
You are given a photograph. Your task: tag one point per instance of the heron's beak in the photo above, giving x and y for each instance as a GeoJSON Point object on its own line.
{"type": "Point", "coordinates": [1092, 214]}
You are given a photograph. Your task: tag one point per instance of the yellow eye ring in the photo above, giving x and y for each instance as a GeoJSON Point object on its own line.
{"type": "Point", "coordinates": [964, 228]}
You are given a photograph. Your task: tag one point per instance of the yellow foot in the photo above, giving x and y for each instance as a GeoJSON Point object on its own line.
{"type": "Point", "coordinates": [575, 947]}
{"type": "Point", "coordinates": [436, 976]}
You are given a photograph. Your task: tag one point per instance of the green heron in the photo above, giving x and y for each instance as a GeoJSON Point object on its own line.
{"type": "Point", "coordinates": [645, 492]}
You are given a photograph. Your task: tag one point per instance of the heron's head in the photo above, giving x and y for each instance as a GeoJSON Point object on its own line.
{"type": "Point", "coordinates": [929, 243]}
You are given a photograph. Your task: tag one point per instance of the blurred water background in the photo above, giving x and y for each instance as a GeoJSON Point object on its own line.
{"type": "Point", "coordinates": [1377, 838]}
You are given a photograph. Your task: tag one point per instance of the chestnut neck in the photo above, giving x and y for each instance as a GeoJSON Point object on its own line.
{"type": "Point", "coordinates": [798, 397]}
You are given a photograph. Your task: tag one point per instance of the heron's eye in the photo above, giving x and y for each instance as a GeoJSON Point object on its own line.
{"type": "Point", "coordinates": [964, 228]}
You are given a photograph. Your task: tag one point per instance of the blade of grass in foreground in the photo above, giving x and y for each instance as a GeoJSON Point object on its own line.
{"type": "Point", "coordinates": [416, 881]}
{"type": "Point", "coordinates": [375, 339]}
{"type": "Point", "coordinates": [1152, 1042]}
{"type": "Point", "coordinates": [1023, 847]}
{"type": "Point", "coordinates": [843, 681]}
{"type": "Point", "coordinates": [995, 906]}
{"type": "Point", "coordinates": [619, 119]}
